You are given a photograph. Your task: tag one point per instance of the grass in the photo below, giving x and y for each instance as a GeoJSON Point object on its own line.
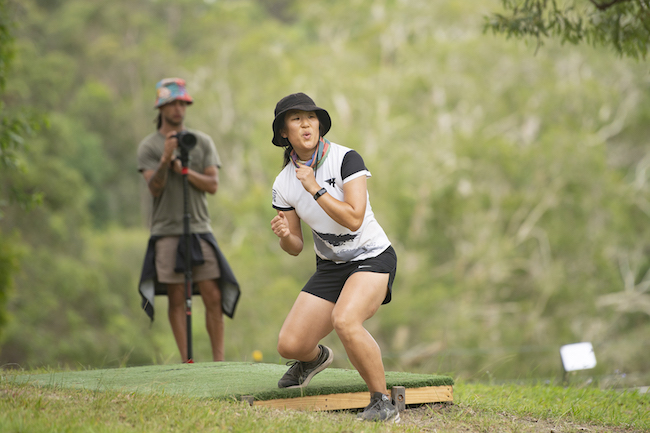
{"type": "Point", "coordinates": [25, 407]}
{"type": "Point", "coordinates": [591, 406]}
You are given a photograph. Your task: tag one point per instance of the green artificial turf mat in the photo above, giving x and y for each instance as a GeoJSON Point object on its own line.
{"type": "Point", "coordinates": [220, 380]}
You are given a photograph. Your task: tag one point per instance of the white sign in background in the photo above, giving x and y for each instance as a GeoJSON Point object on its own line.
{"type": "Point", "coordinates": [578, 356]}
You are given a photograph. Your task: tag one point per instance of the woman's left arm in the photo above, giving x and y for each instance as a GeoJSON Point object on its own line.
{"type": "Point", "coordinates": [349, 212]}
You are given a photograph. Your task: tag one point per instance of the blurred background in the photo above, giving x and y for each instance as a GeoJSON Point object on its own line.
{"type": "Point", "coordinates": [512, 180]}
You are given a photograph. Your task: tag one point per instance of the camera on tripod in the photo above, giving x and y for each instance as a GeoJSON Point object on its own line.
{"type": "Point", "coordinates": [186, 142]}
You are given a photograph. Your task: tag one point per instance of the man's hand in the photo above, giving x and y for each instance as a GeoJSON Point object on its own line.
{"type": "Point", "coordinates": [156, 179]}
{"type": "Point", "coordinates": [177, 166]}
{"type": "Point", "coordinates": [171, 143]}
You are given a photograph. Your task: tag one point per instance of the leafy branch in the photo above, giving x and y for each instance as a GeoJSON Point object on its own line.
{"type": "Point", "coordinates": [623, 25]}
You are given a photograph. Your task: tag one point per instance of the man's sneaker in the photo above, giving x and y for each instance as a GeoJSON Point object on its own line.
{"type": "Point", "coordinates": [300, 373]}
{"type": "Point", "coordinates": [379, 409]}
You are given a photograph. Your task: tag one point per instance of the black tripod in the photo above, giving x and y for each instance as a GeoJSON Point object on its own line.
{"type": "Point", "coordinates": [186, 141]}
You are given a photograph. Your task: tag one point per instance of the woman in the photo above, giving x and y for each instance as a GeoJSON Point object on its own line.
{"type": "Point", "coordinates": [324, 184]}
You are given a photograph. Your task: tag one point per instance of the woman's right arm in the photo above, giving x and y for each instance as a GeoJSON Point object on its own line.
{"type": "Point", "coordinates": [286, 226]}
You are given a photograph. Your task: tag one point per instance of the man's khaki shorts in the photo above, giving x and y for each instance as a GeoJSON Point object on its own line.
{"type": "Point", "coordinates": [166, 249]}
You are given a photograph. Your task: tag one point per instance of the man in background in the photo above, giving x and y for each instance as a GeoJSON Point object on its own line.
{"type": "Point", "coordinates": [159, 162]}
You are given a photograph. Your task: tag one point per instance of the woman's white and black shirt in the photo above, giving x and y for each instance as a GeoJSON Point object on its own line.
{"type": "Point", "coordinates": [332, 241]}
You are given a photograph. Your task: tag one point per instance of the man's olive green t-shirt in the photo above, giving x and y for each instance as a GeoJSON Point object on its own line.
{"type": "Point", "coordinates": [168, 208]}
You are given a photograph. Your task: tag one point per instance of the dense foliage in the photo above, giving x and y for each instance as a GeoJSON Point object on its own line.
{"type": "Point", "coordinates": [512, 184]}
{"type": "Point", "coordinates": [14, 126]}
{"type": "Point", "coordinates": [623, 25]}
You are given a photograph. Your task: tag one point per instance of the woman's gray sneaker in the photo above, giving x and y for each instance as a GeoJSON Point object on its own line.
{"type": "Point", "coordinates": [379, 409]}
{"type": "Point", "coordinates": [300, 373]}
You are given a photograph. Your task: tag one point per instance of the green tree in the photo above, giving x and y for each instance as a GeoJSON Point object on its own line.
{"type": "Point", "coordinates": [514, 187]}
{"type": "Point", "coordinates": [623, 25]}
{"type": "Point", "coordinates": [14, 126]}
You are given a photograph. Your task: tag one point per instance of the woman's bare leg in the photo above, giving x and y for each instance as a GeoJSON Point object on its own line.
{"type": "Point", "coordinates": [360, 299]}
{"type": "Point", "coordinates": [308, 322]}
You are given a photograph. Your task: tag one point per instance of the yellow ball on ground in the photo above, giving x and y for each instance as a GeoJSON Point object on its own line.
{"type": "Point", "coordinates": [257, 356]}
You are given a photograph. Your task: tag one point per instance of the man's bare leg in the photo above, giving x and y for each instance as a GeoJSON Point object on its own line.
{"type": "Point", "coordinates": [213, 317]}
{"type": "Point", "coordinates": [177, 317]}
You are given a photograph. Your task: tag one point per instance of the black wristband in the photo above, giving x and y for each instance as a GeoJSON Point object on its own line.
{"type": "Point", "coordinates": [319, 193]}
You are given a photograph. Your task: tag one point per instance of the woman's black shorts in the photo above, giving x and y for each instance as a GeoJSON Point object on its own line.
{"type": "Point", "coordinates": [330, 277]}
